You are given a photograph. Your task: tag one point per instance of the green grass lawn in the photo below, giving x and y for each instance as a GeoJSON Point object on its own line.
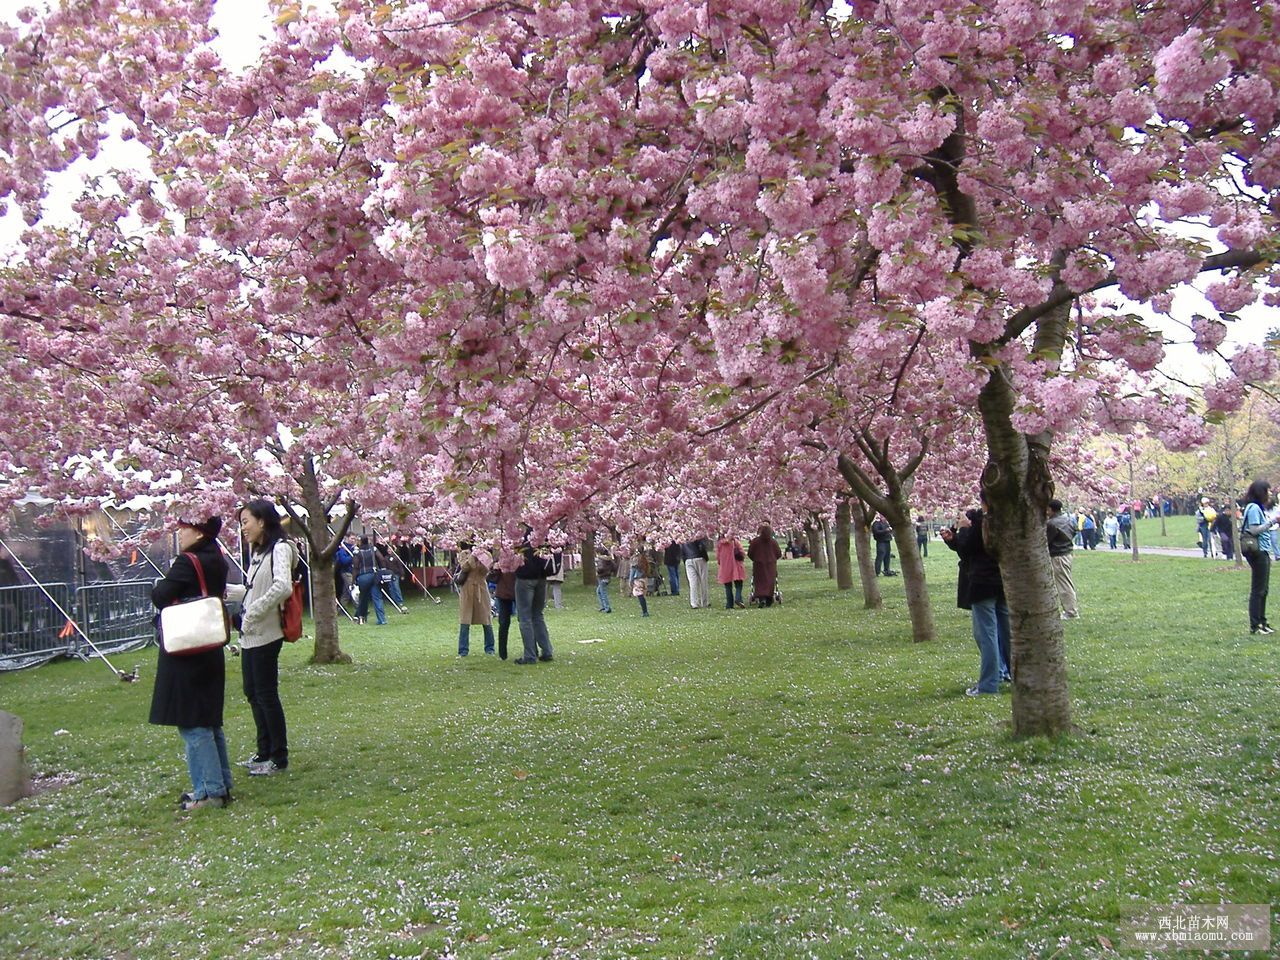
{"type": "Point", "coordinates": [795, 782]}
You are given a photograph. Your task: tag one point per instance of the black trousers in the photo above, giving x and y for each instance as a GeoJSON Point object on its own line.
{"type": "Point", "coordinates": [1260, 566]}
{"type": "Point", "coordinates": [882, 557]}
{"type": "Point", "coordinates": [260, 671]}
{"type": "Point", "coordinates": [505, 609]}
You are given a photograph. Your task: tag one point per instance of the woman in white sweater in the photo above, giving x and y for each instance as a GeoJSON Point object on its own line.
{"type": "Point", "coordinates": [269, 582]}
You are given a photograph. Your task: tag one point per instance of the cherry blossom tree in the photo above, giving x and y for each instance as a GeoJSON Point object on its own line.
{"type": "Point", "coordinates": [505, 222]}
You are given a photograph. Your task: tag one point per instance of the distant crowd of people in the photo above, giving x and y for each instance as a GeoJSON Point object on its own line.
{"type": "Point", "coordinates": [644, 566]}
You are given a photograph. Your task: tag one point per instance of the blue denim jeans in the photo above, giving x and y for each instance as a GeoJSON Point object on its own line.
{"type": "Point", "coordinates": [464, 638]}
{"type": "Point", "coordinates": [393, 591]}
{"type": "Point", "coordinates": [602, 594]}
{"type": "Point", "coordinates": [368, 584]}
{"type": "Point", "coordinates": [207, 761]}
{"type": "Point", "coordinates": [991, 633]}
{"type": "Point", "coordinates": [673, 579]}
{"type": "Point", "coordinates": [531, 600]}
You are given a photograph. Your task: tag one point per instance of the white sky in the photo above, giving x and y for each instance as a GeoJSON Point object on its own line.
{"type": "Point", "coordinates": [243, 25]}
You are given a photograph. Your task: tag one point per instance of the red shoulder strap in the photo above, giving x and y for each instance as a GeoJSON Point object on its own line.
{"type": "Point", "coordinates": [195, 562]}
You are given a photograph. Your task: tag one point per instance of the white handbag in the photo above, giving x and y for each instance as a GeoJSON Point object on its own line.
{"type": "Point", "coordinates": [195, 626]}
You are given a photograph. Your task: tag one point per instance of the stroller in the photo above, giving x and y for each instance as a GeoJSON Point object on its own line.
{"type": "Point", "coordinates": [758, 601]}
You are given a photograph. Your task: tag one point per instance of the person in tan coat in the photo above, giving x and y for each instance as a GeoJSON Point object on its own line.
{"type": "Point", "coordinates": [473, 598]}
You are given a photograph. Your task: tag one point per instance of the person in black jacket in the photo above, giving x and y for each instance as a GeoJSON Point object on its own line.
{"type": "Point", "coordinates": [671, 558]}
{"type": "Point", "coordinates": [981, 591]}
{"type": "Point", "coordinates": [189, 689]}
{"type": "Point", "coordinates": [531, 600]}
{"type": "Point", "coordinates": [883, 534]}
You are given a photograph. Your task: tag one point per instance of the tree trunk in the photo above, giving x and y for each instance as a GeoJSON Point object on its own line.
{"type": "Point", "coordinates": [1018, 487]}
{"type": "Point", "coordinates": [323, 547]}
{"type": "Point", "coordinates": [912, 566]}
{"type": "Point", "coordinates": [871, 599]}
{"type": "Point", "coordinates": [815, 544]}
{"type": "Point", "coordinates": [1133, 537]}
{"type": "Point", "coordinates": [588, 561]}
{"type": "Point", "coordinates": [896, 509]}
{"type": "Point", "coordinates": [844, 564]}
{"type": "Point", "coordinates": [829, 543]}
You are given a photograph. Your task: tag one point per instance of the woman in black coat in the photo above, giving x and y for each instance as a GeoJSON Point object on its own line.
{"type": "Point", "coordinates": [189, 689]}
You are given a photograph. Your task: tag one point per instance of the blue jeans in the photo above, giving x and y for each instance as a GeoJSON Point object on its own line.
{"type": "Point", "coordinates": [531, 600]}
{"type": "Point", "coordinates": [991, 633]}
{"type": "Point", "coordinates": [368, 584]}
{"type": "Point", "coordinates": [464, 638]}
{"type": "Point", "coordinates": [602, 594]}
{"type": "Point", "coordinates": [393, 591]}
{"type": "Point", "coordinates": [207, 761]}
{"type": "Point", "coordinates": [673, 579]}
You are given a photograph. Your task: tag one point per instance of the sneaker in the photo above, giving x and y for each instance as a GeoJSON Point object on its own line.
{"type": "Point", "coordinates": [1265, 628]}
{"type": "Point", "coordinates": [971, 692]}
{"type": "Point", "coordinates": [545, 658]}
{"type": "Point", "coordinates": [524, 661]}
{"type": "Point", "coordinates": [252, 761]}
{"type": "Point", "coordinates": [216, 802]}
{"type": "Point", "coordinates": [267, 768]}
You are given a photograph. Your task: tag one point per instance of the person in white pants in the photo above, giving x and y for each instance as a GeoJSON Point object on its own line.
{"type": "Point", "coordinates": [695, 568]}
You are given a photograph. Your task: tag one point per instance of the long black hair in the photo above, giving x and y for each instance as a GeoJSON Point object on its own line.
{"type": "Point", "coordinates": [272, 532]}
{"type": "Point", "coordinates": [1259, 492]}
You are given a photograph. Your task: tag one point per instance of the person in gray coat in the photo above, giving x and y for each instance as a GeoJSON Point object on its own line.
{"type": "Point", "coordinates": [269, 582]}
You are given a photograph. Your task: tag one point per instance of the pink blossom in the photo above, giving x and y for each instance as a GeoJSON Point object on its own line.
{"type": "Point", "coordinates": [1225, 396]}
{"type": "Point", "coordinates": [1254, 363]}
{"type": "Point", "coordinates": [1208, 333]}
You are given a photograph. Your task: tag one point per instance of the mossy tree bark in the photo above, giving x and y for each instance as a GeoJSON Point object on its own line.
{"type": "Point", "coordinates": [323, 545]}
{"type": "Point", "coordinates": [893, 502]}
{"type": "Point", "coordinates": [588, 561]}
{"type": "Point", "coordinates": [844, 562]}
{"type": "Point", "coordinates": [861, 516]}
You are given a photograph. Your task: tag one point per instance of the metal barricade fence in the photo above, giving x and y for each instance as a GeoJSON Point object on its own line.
{"type": "Point", "coordinates": [116, 616]}
{"type": "Point", "coordinates": [31, 628]}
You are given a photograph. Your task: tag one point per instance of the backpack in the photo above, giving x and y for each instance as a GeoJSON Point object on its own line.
{"type": "Point", "coordinates": [291, 609]}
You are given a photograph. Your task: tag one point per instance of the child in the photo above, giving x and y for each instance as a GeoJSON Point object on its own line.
{"type": "Point", "coordinates": [640, 579]}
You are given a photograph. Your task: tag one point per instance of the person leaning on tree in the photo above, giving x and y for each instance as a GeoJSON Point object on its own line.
{"type": "Point", "coordinates": [980, 590]}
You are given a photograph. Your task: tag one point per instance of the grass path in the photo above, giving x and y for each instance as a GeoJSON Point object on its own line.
{"type": "Point", "coordinates": [795, 782]}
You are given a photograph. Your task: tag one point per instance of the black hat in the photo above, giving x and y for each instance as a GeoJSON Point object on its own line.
{"type": "Point", "coordinates": [208, 528]}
